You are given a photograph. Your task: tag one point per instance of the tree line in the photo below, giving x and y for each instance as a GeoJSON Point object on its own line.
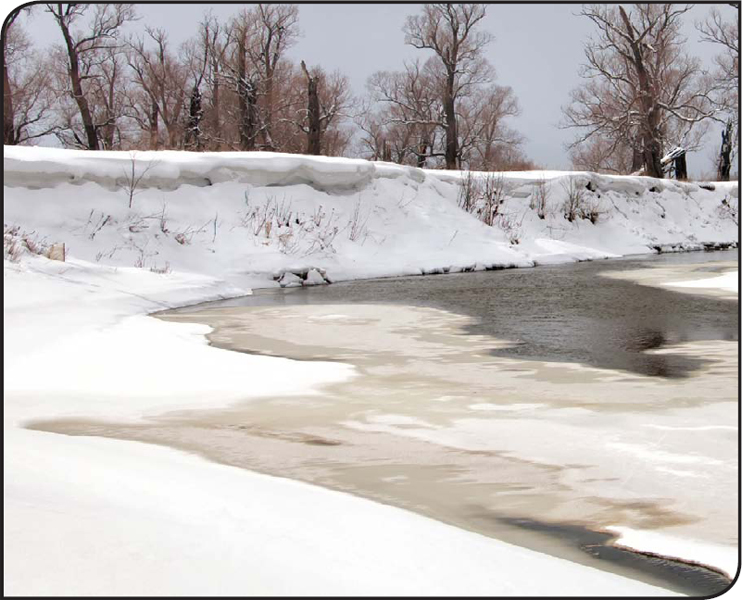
{"type": "Point", "coordinates": [232, 86]}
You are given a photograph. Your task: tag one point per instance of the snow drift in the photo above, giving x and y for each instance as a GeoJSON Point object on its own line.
{"type": "Point", "coordinates": [248, 217]}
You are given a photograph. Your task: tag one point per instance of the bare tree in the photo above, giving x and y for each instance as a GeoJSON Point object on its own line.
{"type": "Point", "coordinates": [641, 88]}
{"type": "Point", "coordinates": [725, 34]}
{"type": "Point", "coordinates": [483, 129]}
{"type": "Point", "coordinates": [411, 111]}
{"type": "Point", "coordinates": [197, 60]}
{"type": "Point", "coordinates": [602, 155]}
{"type": "Point", "coordinates": [213, 46]}
{"type": "Point", "coordinates": [27, 92]}
{"type": "Point", "coordinates": [276, 29]}
{"type": "Point", "coordinates": [413, 122]}
{"type": "Point", "coordinates": [107, 93]}
{"type": "Point", "coordinates": [132, 177]}
{"type": "Point", "coordinates": [83, 52]}
{"type": "Point", "coordinates": [162, 80]}
{"type": "Point", "coordinates": [451, 32]}
{"type": "Point", "coordinates": [384, 139]}
{"type": "Point", "coordinates": [242, 76]}
{"type": "Point", "coordinates": [327, 98]}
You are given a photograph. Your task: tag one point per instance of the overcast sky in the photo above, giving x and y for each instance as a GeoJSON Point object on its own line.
{"type": "Point", "coordinates": [537, 49]}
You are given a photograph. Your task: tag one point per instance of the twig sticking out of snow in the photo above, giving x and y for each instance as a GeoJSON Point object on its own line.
{"type": "Point", "coordinates": [132, 179]}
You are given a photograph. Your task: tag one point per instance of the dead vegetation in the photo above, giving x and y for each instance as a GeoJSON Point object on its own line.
{"type": "Point", "coordinates": [16, 243]}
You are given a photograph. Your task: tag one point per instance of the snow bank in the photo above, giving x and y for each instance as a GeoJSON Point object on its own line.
{"type": "Point", "coordinates": [102, 357]}
{"type": "Point", "coordinates": [248, 217]}
{"type": "Point", "coordinates": [49, 167]}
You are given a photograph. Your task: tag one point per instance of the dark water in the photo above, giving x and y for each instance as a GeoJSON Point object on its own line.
{"type": "Point", "coordinates": [566, 313]}
{"type": "Point", "coordinates": [684, 578]}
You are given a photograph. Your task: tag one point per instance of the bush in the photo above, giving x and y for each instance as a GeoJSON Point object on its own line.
{"type": "Point", "coordinates": [483, 196]}
{"type": "Point", "coordinates": [578, 204]}
{"type": "Point", "coordinates": [539, 196]}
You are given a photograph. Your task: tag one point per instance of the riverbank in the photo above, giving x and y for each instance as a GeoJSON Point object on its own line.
{"type": "Point", "coordinates": [247, 218]}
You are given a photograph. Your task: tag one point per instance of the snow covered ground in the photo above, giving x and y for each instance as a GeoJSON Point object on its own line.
{"type": "Point", "coordinates": [725, 284]}
{"type": "Point", "coordinates": [85, 515]}
{"type": "Point", "coordinates": [729, 282]}
{"type": "Point", "coordinates": [244, 217]}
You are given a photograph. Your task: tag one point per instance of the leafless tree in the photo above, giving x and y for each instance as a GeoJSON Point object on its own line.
{"type": "Point", "coordinates": [410, 112]}
{"type": "Point", "coordinates": [107, 96]}
{"type": "Point", "coordinates": [382, 139]}
{"type": "Point", "coordinates": [327, 98]}
{"type": "Point", "coordinates": [242, 76]}
{"type": "Point", "coordinates": [641, 86]}
{"type": "Point", "coordinates": [85, 53]}
{"type": "Point", "coordinates": [725, 34]}
{"type": "Point", "coordinates": [602, 155]}
{"type": "Point", "coordinates": [483, 129]}
{"type": "Point", "coordinates": [451, 31]}
{"type": "Point", "coordinates": [197, 54]}
{"type": "Point", "coordinates": [276, 29]}
{"type": "Point", "coordinates": [211, 43]}
{"type": "Point", "coordinates": [27, 91]}
{"type": "Point", "coordinates": [161, 78]}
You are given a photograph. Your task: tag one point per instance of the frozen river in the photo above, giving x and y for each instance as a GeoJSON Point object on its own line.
{"type": "Point", "coordinates": [538, 406]}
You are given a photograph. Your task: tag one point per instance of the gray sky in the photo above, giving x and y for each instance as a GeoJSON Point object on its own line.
{"type": "Point", "coordinates": [536, 51]}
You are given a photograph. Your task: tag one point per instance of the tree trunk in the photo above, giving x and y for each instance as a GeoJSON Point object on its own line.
{"type": "Point", "coordinates": [422, 156]}
{"type": "Point", "coordinates": [215, 104]}
{"type": "Point", "coordinates": [9, 136]}
{"type": "Point", "coordinates": [154, 134]}
{"type": "Point", "coordinates": [386, 152]}
{"type": "Point", "coordinates": [652, 157]}
{"type": "Point", "coordinates": [91, 134]}
{"type": "Point", "coordinates": [314, 136]}
{"type": "Point", "coordinates": [725, 155]}
{"type": "Point", "coordinates": [247, 99]}
{"type": "Point", "coordinates": [452, 142]}
{"type": "Point", "coordinates": [268, 123]}
{"type": "Point", "coordinates": [652, 149]}
{"type": "Point", "coordinates": [637, 158]}
{"type": "Point", "coordinates": [195, 113]}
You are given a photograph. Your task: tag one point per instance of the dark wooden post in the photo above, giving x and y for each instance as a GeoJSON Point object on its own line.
{"type": "Point", "coordinates": [681, 169]}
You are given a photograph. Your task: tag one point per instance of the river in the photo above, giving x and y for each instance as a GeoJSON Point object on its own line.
{"type": "Point", "coordinates": [538, 406]}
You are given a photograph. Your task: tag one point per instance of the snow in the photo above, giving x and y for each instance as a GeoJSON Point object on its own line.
{"type": "Point", "coordinates": [728, 282]}
{"type": "Point", "coordinates": [92, 516]}
{"type": "Point", "coordinates": [154, 521]}
{"type": "Point", "coordinates": [246, 217]}
{"type": "Point", "coordinates": [314, 278]}
{"type": "Point", "coordinates": [674, 547]}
